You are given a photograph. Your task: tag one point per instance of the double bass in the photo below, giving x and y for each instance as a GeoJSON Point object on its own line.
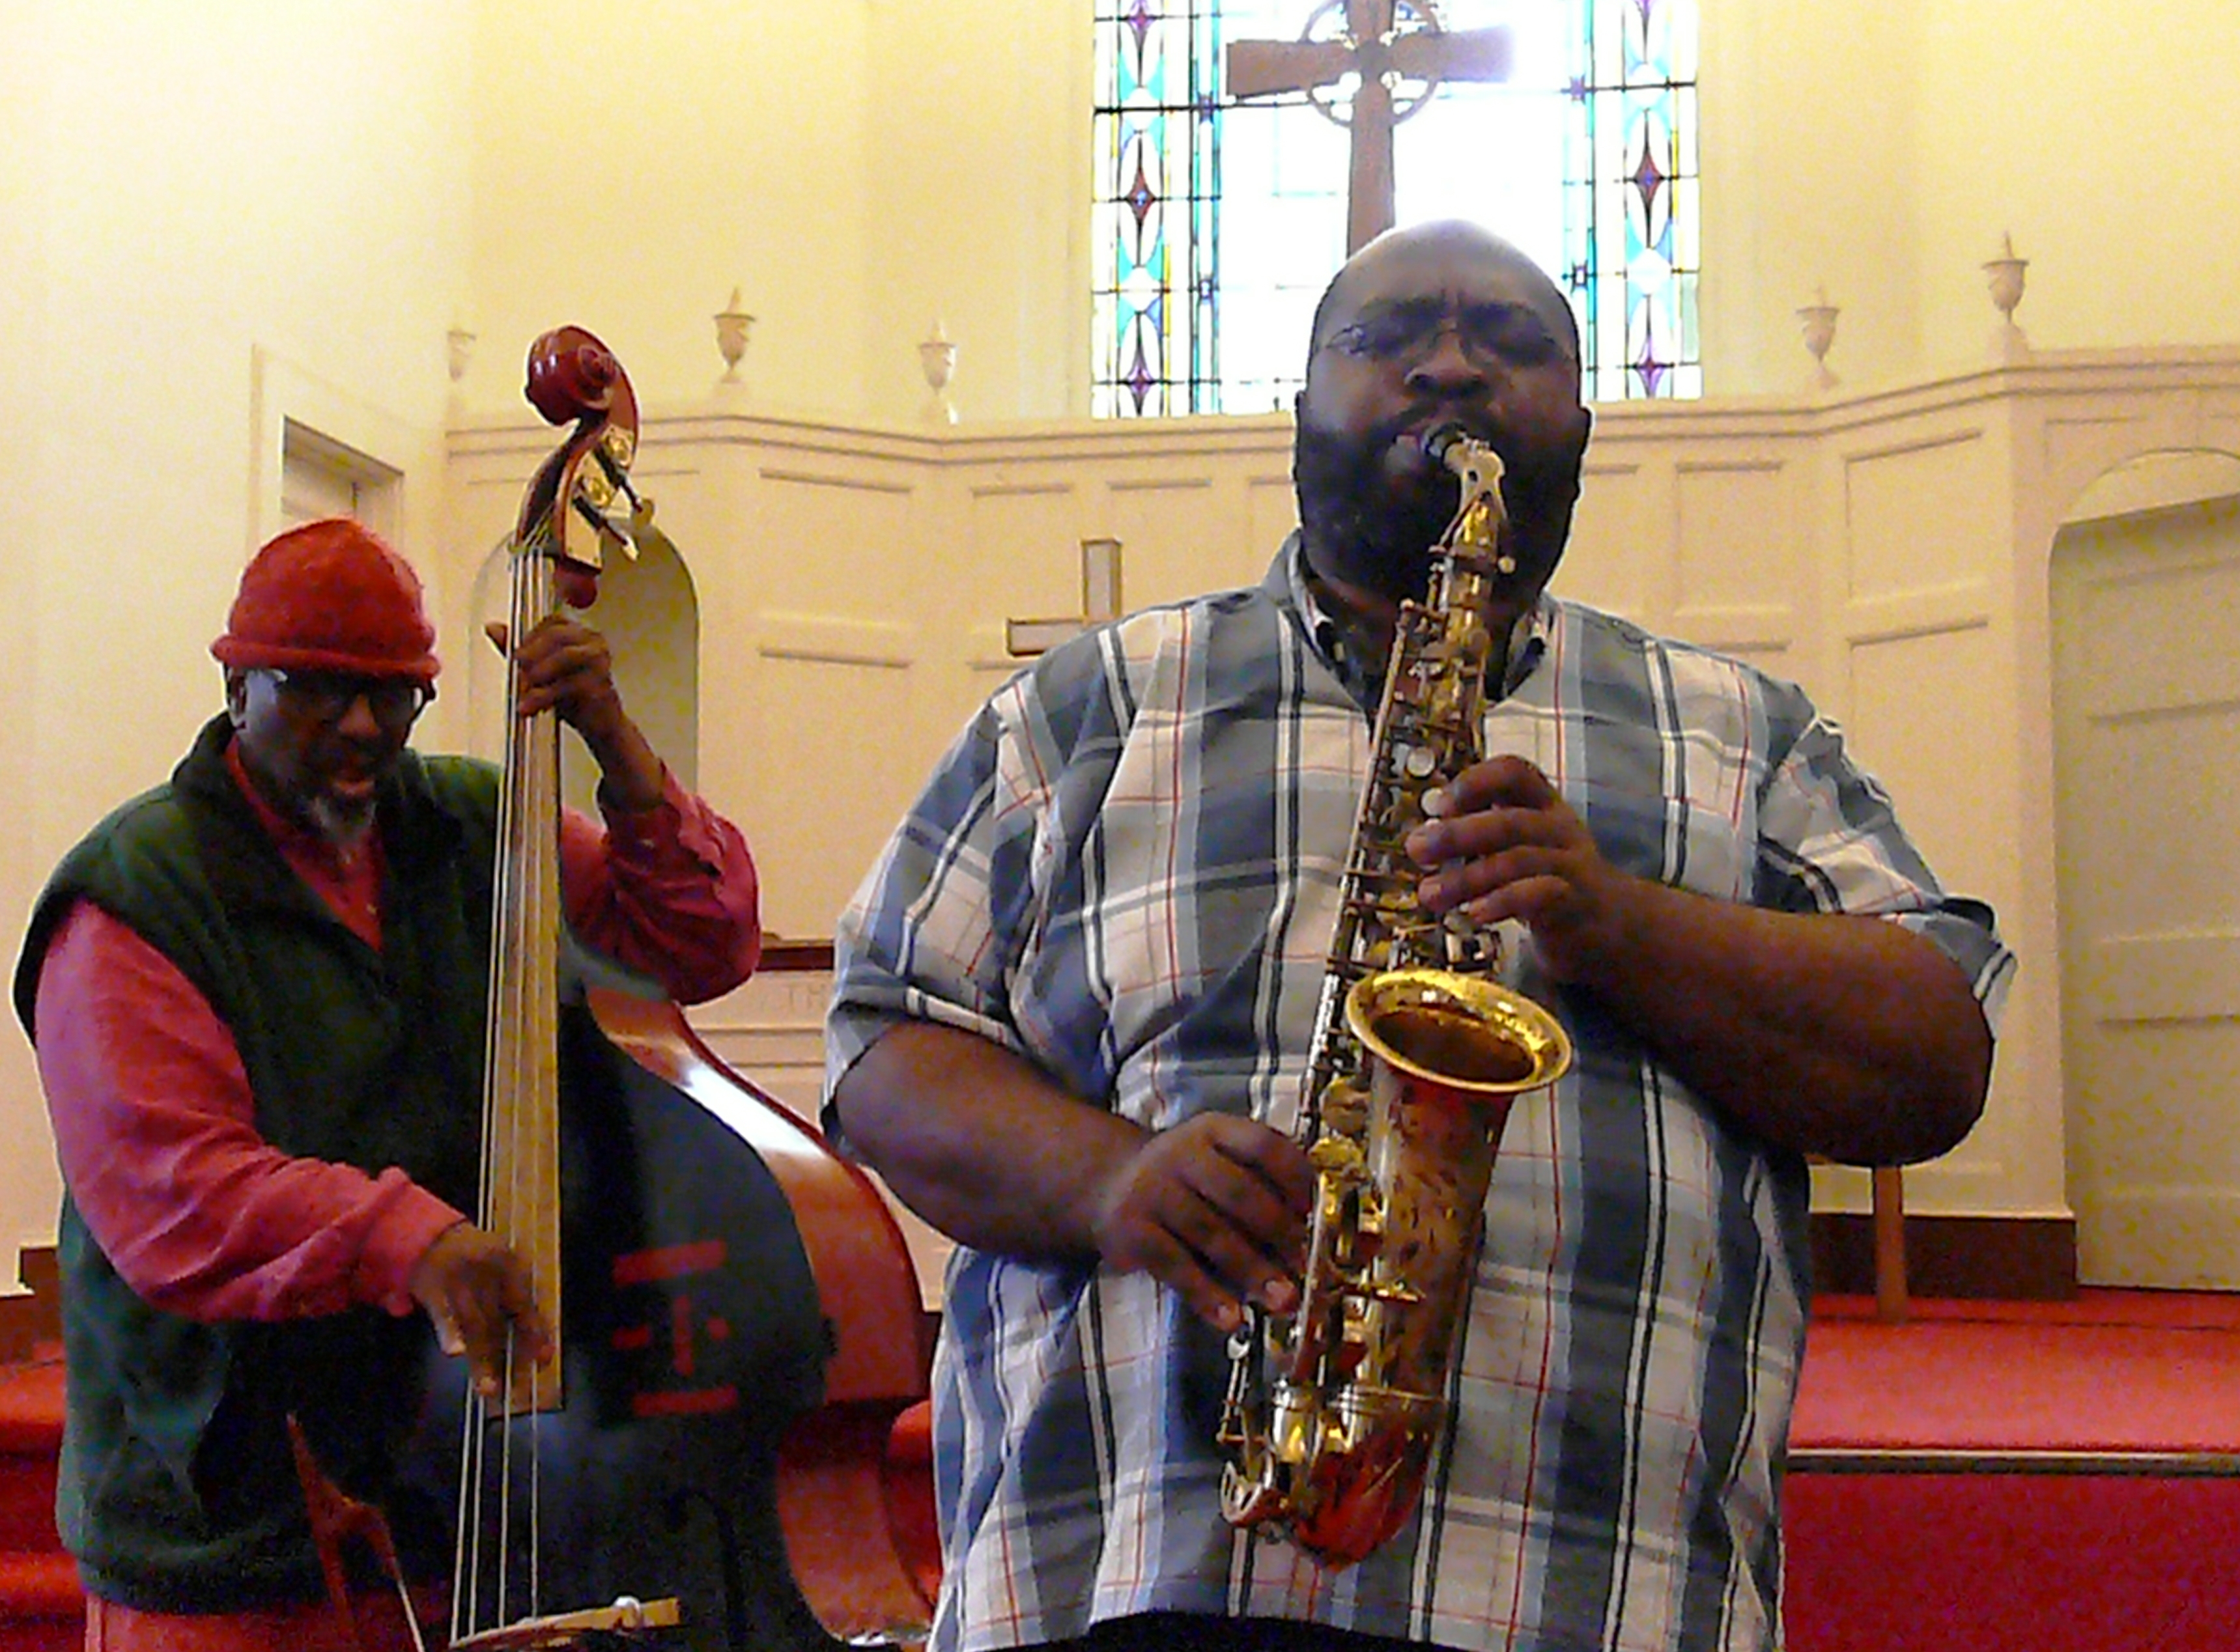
{"type": "Point", "coordinates": [706, 1462]}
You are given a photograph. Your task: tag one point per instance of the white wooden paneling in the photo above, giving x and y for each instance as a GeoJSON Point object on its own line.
{"type": "Point", "coordinates": [1887, 547]}
{"type": "Point", "coordinates": [1740, 553]}
{"type": "Point", "coordinates": [1923, 513]}
{"type": "Point", "coordinates": [1034, 533]}
{"type": "Point", "coordinates": [1176, 534]}
{"type": "Point", "coordinates": [1915, 699]}
{"type": "Point", "coordinates": [1623, 534]}
{"type": "Point", "coordinates": [821, 531]}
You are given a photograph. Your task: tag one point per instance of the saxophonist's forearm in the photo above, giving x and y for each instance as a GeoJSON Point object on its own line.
{"type": "Point", "coordinates": [980, 1142]}
{"type": "Point", "coordinates": [1839, 1035]}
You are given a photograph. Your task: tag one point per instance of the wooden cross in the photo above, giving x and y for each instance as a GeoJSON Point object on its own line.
{"type": "Point", "coordinates": [1388, 44]}
{"type": "Point", "coordinates": [1100, 601]}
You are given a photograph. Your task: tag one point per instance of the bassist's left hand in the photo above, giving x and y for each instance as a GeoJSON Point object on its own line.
{"type": "Point", "coordinates": [565, 667]}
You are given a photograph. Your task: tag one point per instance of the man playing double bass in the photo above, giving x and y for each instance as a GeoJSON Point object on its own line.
{"type": "Point", "coordinates": [257, 994]}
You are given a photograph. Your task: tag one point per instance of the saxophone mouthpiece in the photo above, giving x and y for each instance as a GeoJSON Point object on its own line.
{"type": "Point", "coordinates": [1440, 439]}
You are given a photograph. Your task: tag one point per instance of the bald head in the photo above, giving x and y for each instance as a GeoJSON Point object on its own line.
{"type": "Point", "coordinates": [1388, 260]}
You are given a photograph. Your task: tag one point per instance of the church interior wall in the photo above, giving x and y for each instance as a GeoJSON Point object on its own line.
{"type": "Point", "coordinates": [859, 175]}
{"type": "Point", "coordinates": [28, 1183]}
{"type": "Point", "coordinates": [2099, 133]}
{"type": "Point", "coordinates": [981, 160]}
{"type": "Point", "coordinates": [252, 193]}
{"type": "Point", "coordinates": [212, 210]}
{"type": "Point", "coordinates": [629, 171]}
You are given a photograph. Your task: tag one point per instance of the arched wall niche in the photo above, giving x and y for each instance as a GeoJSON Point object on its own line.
{"type": "Point", "coordinates": [648, 610]}
{"type": "Point", "coordinates": [2143, 633]}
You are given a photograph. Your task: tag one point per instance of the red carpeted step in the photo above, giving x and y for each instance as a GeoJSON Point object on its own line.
{"type": "Point", "coordinates": [39, 1586]}
{"type": "Point", "coordinates": [2012, 1562]}
{"type": "Point", "coordinates": [31, 1407]}
{"type": "Point", "coordinates": [42, 1609]}
{"type": "Point", "coordinates": [27, 1505]}
{"type": "Point", "coordinates": [31, 1435]}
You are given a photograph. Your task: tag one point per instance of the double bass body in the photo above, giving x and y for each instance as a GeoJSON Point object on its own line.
{"type": "Point", "coordinates": [715, 1438]}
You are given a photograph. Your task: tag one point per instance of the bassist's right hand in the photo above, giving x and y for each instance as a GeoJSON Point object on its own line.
{"type": "Point", "coordinates": [476, 1289]}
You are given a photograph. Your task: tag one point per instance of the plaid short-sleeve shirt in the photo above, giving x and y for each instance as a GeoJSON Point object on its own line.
{"type": "Point", "coordinates": [1126, 868]}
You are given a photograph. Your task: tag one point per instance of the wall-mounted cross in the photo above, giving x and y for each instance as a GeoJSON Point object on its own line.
{"type": "Point", "coordinates": [1400, 53]}
{"type": "Point", "coordinates": [1100, 601]}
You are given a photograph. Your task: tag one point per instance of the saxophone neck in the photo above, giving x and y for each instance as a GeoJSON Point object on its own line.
{"type": "Point", "coordinates": [1473, 538]}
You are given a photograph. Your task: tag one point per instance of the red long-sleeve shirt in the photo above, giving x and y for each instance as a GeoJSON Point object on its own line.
{"type": "Point", "coordinates": [155, 1126]}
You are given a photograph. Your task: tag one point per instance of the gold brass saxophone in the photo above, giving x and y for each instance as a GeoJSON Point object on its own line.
{"type": "Point", "coordinates": [1333, 1409]}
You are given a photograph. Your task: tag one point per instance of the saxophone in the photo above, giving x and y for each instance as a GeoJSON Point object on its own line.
{"type": "Point", "coordinates": [1333, 1410]}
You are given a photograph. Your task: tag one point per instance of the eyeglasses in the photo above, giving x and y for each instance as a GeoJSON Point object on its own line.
{"type": "Point", "coordinates": [327, 696]}
{"type": "Point", "coordinates": [1408, 332]}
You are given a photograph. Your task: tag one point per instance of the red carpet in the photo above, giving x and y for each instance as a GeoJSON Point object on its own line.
{"type": "Point", "coordinates": [2019, 1477]}
{"type": "Point", "coordinates": [2010, 1562]}
{"type": "Point", "coordinates": [2112, 1371]}
{"type": "Point", "coordinates": [41, 1608]}
{"type": "Point", "coordinates": [1988, 1477]}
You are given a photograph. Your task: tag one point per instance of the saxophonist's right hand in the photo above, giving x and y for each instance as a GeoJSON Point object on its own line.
{"type": "Point", "coordinates": [1217, 1207]}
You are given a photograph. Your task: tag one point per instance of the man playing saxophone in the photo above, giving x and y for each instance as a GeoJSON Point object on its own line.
{"type": "Point", "coordinates": [1076, 998]}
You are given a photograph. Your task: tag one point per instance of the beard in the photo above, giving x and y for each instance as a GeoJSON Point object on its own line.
{"type": "Point", "coordinates": [1372, 509]}
{"type": "Point", "coordinates": [343, 822]}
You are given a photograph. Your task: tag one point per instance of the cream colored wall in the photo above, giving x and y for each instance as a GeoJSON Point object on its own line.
{"type": "Point", "coordinates": [2102, 134]}
{"type": "Point", "coordinates": [848, 167]}
{"type": "Point", "coordinates": [979, 195]}
{"type": "Point", "coordinates": [29, 1187]}
{"type": "Point", "coordinates": [1882, 151]}
{"type": "Point", "coordinates": [631, 166]}
{"type": "Point", "coordinates": [214, 215]}
{"type": "Point", "coordinates": [1811, 174]}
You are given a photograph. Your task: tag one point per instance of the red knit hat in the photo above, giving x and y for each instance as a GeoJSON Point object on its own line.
{"type": "Point", "coordinates": [329, 596]}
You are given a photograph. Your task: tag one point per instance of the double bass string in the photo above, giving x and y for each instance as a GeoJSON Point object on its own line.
{"type": "Point", "coordinates": [520, 1182]}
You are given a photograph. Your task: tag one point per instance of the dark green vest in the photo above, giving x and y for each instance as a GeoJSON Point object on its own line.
{"type": "Point", "coordinates": [177, 1490]}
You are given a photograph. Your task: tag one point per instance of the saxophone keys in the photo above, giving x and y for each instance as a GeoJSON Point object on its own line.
{"type": "Point", "coordinates": [1337, 1160]}
{"type": "Point", "coordinates": [1396, 1291]}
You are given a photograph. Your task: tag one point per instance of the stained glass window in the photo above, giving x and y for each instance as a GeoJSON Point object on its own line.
{"type": "Point", "coordinates": [1218, 223]}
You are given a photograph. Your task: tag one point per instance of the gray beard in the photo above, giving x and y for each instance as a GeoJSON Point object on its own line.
{"type": "Point", "coordinates": [342, 826]}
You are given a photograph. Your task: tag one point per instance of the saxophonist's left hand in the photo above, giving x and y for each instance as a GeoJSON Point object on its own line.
{"type": "Point", "coordinates": [1505, 844]}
